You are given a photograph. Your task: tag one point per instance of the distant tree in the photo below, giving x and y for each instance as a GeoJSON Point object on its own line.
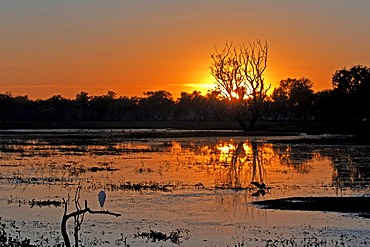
{"type": "Point", "coordinates": [325, 108]}
{"type": "Point", "coordinates": [82, 105]}
{"type": "Point", "coordinates": [216, 107]}
{"type": "Point", "coordinates": [103, 107]}
{"type": "Point", "coordinates": [352, 91]}
{"type": "Point", "coordinates": [6, 106]}
{"type": "Point", "coordinates": [157, 105]}
{"type": "Point", "coordinates": [198, 105]}
{"type": "Point", "coordinates": [191, 106]}
{"type": "Point", "coordinates": [239, 75]}
{"type": "Point", "coordinates": [22, 108]}
{"type": "Point", "coordinates": [57, 109]}
{"type": "Point", "coordinates": [280, 103]}
{"type": "Point", "coordinates": [294, 97]}
{"type": "Point", "coordinates": [127, 108]}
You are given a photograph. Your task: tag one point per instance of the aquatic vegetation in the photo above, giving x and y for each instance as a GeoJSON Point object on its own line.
{"type": "Point", "coordinates": [177, 236]}
{"type": "Point", "coordinates": [7, 240]}
{"type": "Point", "coordinates": [44, 203]}
{"type": "Point", "coordinates": [35, 203]}
{"type": "Point", "coordinates": [149, 185]}
{"type": "Point", "coordinates": [205, 185]}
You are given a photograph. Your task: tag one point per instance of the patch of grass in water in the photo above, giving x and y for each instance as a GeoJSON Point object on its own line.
{"type": "Point", "coordinates": [151, 185]}
{"type": "Point", "coordinates": [177, 236]}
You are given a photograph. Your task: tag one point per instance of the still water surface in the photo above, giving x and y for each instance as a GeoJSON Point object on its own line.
{"type": "Point", "coordinates": [199, 186]}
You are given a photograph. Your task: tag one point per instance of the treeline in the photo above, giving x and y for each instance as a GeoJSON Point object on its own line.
{"type": "Point", "coordinates": [293, 100]}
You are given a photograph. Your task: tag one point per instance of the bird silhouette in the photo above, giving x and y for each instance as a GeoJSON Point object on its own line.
{"type": "Point", "coordinates": [101, 197]}
{"type": "Point", "coordinates": [259, 185]}
{"type": "Point", "coordinates": [259, 192]}
{"type": "Point", "coordinates": [261, 189]}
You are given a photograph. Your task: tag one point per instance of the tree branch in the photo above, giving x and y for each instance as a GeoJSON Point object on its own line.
{"type": "Point", "coordinates": [77, 213]}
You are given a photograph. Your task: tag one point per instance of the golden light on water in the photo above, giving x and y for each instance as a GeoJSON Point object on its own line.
{"type": "Point", "coordinates": [226, 150]}
{"type": "Point", "coordinates": [212, 179]}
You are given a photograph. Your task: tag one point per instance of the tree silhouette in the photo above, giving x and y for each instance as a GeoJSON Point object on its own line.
{"type": "Point", "coordinates": [191, 107]}
{"type": "Point", "coordinates": [240, 94]}
{"type": "Point", "coordinates": [78, 216]}
{"type": "Point", "coordinates": [158, 105]}
{"type": "Point", "coordinates": [82, 105]}
{"type": "Point", "coordinates": [352, 90]}
{"type": "Point", "coordinates": [239, 75]}
{"type": "Point", "coordinates": [294, 98]}
{"type": "Point", "coordinates": [57, 108]}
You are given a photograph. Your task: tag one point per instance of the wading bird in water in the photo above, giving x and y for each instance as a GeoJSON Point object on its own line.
{"type": "Point", "coordinates": [259, 185]}
{"type": "Point", "coordinates": [261, 189]}
{"type": "Point", "coordinates": [101, 197]}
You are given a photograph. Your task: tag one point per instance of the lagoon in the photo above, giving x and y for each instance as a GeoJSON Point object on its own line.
{"type": "Point", "coordinates": [196, 186]}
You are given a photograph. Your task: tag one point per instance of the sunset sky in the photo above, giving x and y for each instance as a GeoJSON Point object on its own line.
{"type": "Point", "coordinates": [50, 47]}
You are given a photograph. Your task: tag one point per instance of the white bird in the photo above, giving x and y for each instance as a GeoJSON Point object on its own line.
{"type": "Point", "coordinates": [101, 197]}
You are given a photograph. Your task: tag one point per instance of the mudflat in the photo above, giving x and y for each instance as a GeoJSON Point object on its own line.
{"type": "Point", "coordinates": [332, 204]}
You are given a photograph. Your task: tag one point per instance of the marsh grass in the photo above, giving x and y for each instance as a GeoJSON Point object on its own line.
{"type": "Point", "coordinates": [177, 236]}
{"type": "Point", "coordinates": [35, 203]}
{"type": "Point", "coordinates": [94, 159]}
{"type": "Point", "coordinates": [6, 238]}
{"type": "Point", "coordinates": [309, 240]}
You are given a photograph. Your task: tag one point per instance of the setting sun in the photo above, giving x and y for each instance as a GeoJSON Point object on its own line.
{"type": "Point", "coordinates": [141, 46]}
{"type": "Point", "coordinates": [193, 123]}
{"type": "Point", "coordinates": [234, 95]}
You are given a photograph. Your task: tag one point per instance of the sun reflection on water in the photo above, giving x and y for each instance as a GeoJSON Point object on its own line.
{"type": "Point", "coordinates": [211, 179]}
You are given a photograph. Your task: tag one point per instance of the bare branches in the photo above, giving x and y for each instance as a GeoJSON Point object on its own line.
{"type": "Point", "coordinates": [88, 210]}
{"type": "Point", "coordinates": [255, 58]}
{"type": "Point", "coordinates": [239, 74]}
{"type": "Point", "coordinates": [77, 220]}
{"type": "Point", "coordinates": [80, 212]}
{"type": "Point", "coordinates": [235, 68]}
{"type": "Point", "coordinates": [226, 69]}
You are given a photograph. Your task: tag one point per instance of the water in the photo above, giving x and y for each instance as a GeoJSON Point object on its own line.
{"type": "Point", "coordinates": [199, 188]}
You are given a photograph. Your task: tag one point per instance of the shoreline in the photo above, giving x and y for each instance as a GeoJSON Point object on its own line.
{"type": "Point", "coordinates": [359, 133]}
{"type": "Point", "coordinates": [357, 205]}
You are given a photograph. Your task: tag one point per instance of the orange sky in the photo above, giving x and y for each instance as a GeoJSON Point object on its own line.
{"type": "Point", "coordinates": [64, 47]}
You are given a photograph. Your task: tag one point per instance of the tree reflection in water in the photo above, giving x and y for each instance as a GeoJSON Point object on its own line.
{"type": "Point", "coordinates": [238, 164]}
{"type": "Point", "coordinates": [297, 157]}
{"type": "Point", "coordinates": [351, 168]}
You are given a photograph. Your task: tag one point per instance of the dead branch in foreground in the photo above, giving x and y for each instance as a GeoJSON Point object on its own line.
{"type": "Point", "coordinates": [75, 214]}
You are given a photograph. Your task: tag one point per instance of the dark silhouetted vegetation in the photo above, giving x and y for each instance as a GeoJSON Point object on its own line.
{"type": "Point", "coordinates": [293, 101]}
{"type": "Point", "coordinates": [177, 236]}
{"type": "Point", "coordinates": [7, 240]}
{"type": "Point", "coordinates": [239, 74]}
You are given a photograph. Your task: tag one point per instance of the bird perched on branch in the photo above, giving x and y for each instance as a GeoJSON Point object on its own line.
{"type": "Point", "coordinates": [101, 197]}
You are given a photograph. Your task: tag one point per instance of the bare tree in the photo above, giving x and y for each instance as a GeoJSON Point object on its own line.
{"type": "Point", "coordinates": [78, 216]}
{"type": "Point", "coordinates": [239, 73]}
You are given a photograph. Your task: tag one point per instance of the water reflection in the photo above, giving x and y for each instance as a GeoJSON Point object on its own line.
{"type": "Point", "coordinates": [297, 157]}
{"type": "Point", "coordinates": [242, 164]}
{"type": "Point", "coordinates": [351, 167]}
{"type": "Point", "coordinates": [237, 164]}
{"type": "Point", "coordinates": [255, 164]}
{"type": "Point", "coordinates": [192, 181]}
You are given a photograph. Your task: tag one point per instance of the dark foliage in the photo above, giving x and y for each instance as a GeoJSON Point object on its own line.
{"type": "Point", "coordinates": [177, 236]}
{"type": "Point", "coordinates": [293, 100]}
{"type": "Point", "coordinates": [155, 106]}
{"type": "Point", "coordinates": [7, 240]}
